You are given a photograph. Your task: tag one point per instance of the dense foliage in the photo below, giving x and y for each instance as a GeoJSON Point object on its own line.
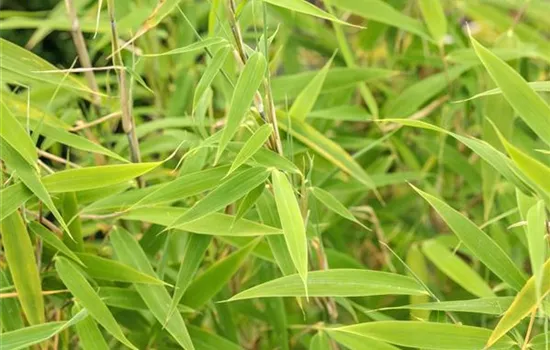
{"type": "Point", "coordinates": [274, 174]}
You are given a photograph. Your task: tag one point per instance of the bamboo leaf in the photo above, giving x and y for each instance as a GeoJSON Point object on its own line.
{"type": "Point", "coordinates": [305, 8]}
{"type": "Point", "coordinates": [53, 241]}
{"type": "Point", "coordinates": [209, 283]}
{"type": "Point", "coordinates": [247, 85]}
{"type": "Point", "coordinates": [425, 335]}
{"type": "Point", "coordinates": [536, 239]}
{"type": "Point", "coordinates": [525, 101]}
{"type": "Point", "coordinates": [481, 245]}
{"type": "Point", "coordinates": [434, 16]}
{"type": "Point", "coordinates": [156, 297]}
{"type": "Point", "coordinates": [456, 269]}
{"type": "Point", "coordinates": [197, 46]}
{"type": "Point", "coordinates": [524, 303]}
{"type": "Point", "coordinates": [333, 204]}
{"type": "Point", "coordinates": [110, 270]}
{"type": "Point", "coordinates": [15, 135]}
{"type": "Point", "coordinates": [305, 101]}
{"type": "Point", "coordinates": [89, 334]}
{"type": "Point", "coordinates": [210, 73]}
{"type": "Point", "coordinates": [26, 337]}
{"type": "Point", "coordinates": [292, 222]}
{"type": "Point", "coordinates": [251, 146]}
{"type": "Point", "coordinates": [335, 283]}
{"type": "Point", "coordinates": [21, 260]}
{"type": "Point", "coordinates": [81, 289]}
{"type": "Point", "coordinates": [226, 193]}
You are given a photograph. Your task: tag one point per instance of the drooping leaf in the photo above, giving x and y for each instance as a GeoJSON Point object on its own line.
{"type": "Point", "coordinates": [155, 296]}
{"type": "Point", "coordinates": [81, 289]}
{"type": "Point", "coordinates": [481, 245]}
{"type": "Point", "coordinates": [251, 146]}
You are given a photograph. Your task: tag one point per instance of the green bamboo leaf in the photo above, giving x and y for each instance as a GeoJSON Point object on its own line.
{"type": "Point", "coordinates": [416, 95]}
{"type": "Point", "coordinates": [419, 269]}
{"type": "Point", "coordinates": [425, 335]}
{"type": "Point", "coordinates": [15, 135]}
{"type": "Point", "coordinates": [89, 335]}
{"type": "Point", "coordinates": [247, 85]}
{"type": "Point", "coordinates": [540, 342]}
{"type": "Point", "coordinates": [292, 223]}
{"type": "Point", "coordinates": [288, 87]}
{"type": "Point", "coordinates": [67, 138]}
{"type": "Point", "coordinates": [539, 86]}
{"type": "Point", "coordinates": [481, 245]}
{"type": "Point", "coordinates": [210, 73]}
{"type": "Point", "coordinates": [20, 66]}
{"type": "Point", "coordinates": [356, 341]}
{"type": "Point", "coordinates": [320, 341]}
{"type": "Point", "coordinates": [183, 187]}
{"type": "Point", "coordinates": [491, 155]}
{"type": "Point", "coordinates": [267, 158]}
{"type": "Point", "coordinates": [130, 299]}
{"type": "Point", "coordinates": [156, 297]}
{"type": "Point", "coordinates": [30, 178]}
{"type": "Point", "coordinates": [248, 201]}
{"type": "Point", "coordinates": [226, 193]}
{"type": "Point", "coordinates": [216, 224]}
{"type": "Point", "coordinates": [336, 283]}
{"type": "Point", "coordinates": [211, 281]}
{"type": "Point", "coordinates": [325, 147]}
{"type": "Point", "coordinates": [194, 47]}
{"type": "Point", "coordinates": [209, 341]}
{"type": "Point", "coordinates": [307, 8]}
{"type": "Point", "coordinates": [526, 102]}
{"type": "Point", "coordinates": [536, 238]}
{"type": "Point", "coordinates": [110, 270]}
{"type": "Point", "coordinates": [251, 146]}
{"type": "Point", "coordinates": [95, 177]}
{"type": "Point", "coordinates": [434, 16]}
{"type": "Point", "coordinates": [194, 252]}
{"type": "Point", "coordinates": [12, 198]}
{"type": "Point", "coordinates": [53, 241]}
{"type": "Point", "coordinates": [533, 169]}
{"type": "Point", "coordinates": [305, 101]}
{"type": "Point", "coordinates": [342, 113]}
{"type": "Point", "coordinates": [69, 210]}
{"type": "Point", "coordinates": [525, 302]}
{"type": "Point", "coordinates": [380, 11]}
{"type": "Point", "coordinates": [26, 337]}
{"type": "Point", "coordinates": [456, 269]}
{"type": "Point", "coordinates": [334, 204]}
{"type": "Point", "coordinates": [21, 260]}
{"type": "Point", "coordinates": [489, 306]}
{"type": "Point", "coordinates": [83, 291]}
{"type": "Point", "coordinates": [11, 316]}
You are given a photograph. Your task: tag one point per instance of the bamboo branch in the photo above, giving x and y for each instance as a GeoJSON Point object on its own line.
{"type": "Point", "coordinates": [82, 50]}
{"type": "Point", "coordinates": [128, 122]}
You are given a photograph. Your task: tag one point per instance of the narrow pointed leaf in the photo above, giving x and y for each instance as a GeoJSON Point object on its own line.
{"type": "Point", "coordinates": [156, 297]}
{"type": "Point", "coordinates": [536, 239]}
{"type": "Point", "coordinates": [228, 192]}
{"type": "Point", "coordinates": [247, 85]}
{"type": "Point", "coordinates": [52, 240]}
{"type": "Point", "coordinates": [210, 73]}
{"type": "Point", "coordinates": [524, 303]}
{"type": "Point", "coordinates": [292, 223]}
{"type": "Point", "coordinates": [483, 246]}
{"type": "Point", "coordinates": [305, 101]}
{"type": "Point", "coordinates": [336, 283]}
{"type": "Point", "coordinates": [21, 260]}
{"type": "Point", "coordinates": [26, 337]}
{"type": "Point", "coordinates": [526, 102]}
{"type": "Point", "coordinates": [251, 146]}
{"type": "Point", "coordinates": [426, 335]}
{"type": "Point", "coordinates": [88, 332]}
{"type": "Point", "coordinates": [434, 16]}
{"type": "Point", "coordinates": [333, 203]}
{"type": "Point", "coordinates": [83, 291]}
{"type": "Point", "coordinates": [456, 269]}
{"type": "Point", "coordinates": [15, 135]}
{"type": "Point", "coordinates": [209, 283]}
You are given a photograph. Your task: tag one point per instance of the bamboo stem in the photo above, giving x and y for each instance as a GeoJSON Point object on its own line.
{"type": "Point", "coordinates": [128, 122]}
{"type": "Point", "coordinates": [82, 50]}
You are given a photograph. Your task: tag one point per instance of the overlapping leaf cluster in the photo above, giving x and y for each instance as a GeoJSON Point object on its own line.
{"type": "Point", "coordinates": [275, 174]}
